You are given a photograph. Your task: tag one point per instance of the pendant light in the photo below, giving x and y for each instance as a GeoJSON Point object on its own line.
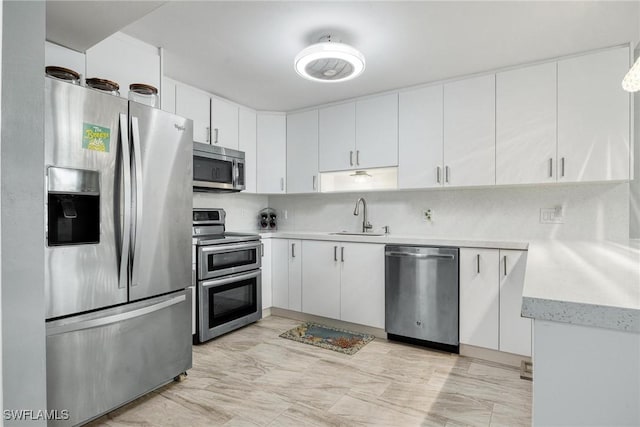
{"type": "Point", "coordinates": [329, 61]}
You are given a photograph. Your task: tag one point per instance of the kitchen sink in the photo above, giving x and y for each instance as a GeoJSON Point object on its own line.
{"type": "Point", "coordinates": [353, 233]}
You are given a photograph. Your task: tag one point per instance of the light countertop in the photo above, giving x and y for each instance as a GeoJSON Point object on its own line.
{"type": "Point", "coordinates": [592, 283]}
{"type": "Point", "coordinates": [585, 283]}
{"type": "Point", "coordinates": [398, 239]}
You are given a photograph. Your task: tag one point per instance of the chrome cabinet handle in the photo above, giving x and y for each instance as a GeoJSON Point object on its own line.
{"type": "Point", "coordinates": [478, 263]}
{"type": "Point", "coordinates": [208, 136]}
{"type": "Point", "coordinates": [293, 250]}
{"type": "Point", "coordinates": [262, 250]}
{"type": "Point", "coordinates": [562, 167]}
{"type": "Point", "coordinates": [335, 253]}
{"type": "Point", "coordinates": [314, 183]}
{"type": "Point", "coordinates": [342, 253]}
{"type": "Point", "coordinates": [350, 158]}
{"type": "Point", "coordinates": [438, 172]}
{"type": "Point", "coordinates": [446, 174]}
{"type": "Point", "coordinates": [551, 167]}
{"type": "Point", "coordinates": [505, 265]}
{"type": "Point", "coordinates": [216, 132]}
{"type": "Point", "coordinates": [357, 157]}
{"type": "Point", "coordinates": [282, 184]}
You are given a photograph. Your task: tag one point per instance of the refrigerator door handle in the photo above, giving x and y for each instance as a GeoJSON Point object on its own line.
{"type": "Point", "coordinates": [137, 157]}
{"type": "Point", "coordinates": [126, 231]}
{"type": "Point", "coordinates": [115, 318]}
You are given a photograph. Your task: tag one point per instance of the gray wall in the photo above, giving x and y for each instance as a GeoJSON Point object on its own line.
{"type": "Point", "coordinates": [22, 208]}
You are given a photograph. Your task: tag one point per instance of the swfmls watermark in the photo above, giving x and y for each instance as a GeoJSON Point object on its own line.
{"type": "Point", "coordinates": [35, 415]}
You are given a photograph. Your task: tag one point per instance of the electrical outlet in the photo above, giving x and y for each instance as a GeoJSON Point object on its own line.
{"type": "Point", "coordinates": [552, 215]}
{"type": "Point", "coordinates": [426, 215]}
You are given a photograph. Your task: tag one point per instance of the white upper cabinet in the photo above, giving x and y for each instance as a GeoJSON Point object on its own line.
{"type": "Point", "coordinates": [420, 151]}
{"type": "Point", "coordinates": [193, 104]}
{"type": "Point", "coordinates": [302, 152]}
{"type": "Point", "coordinates": [224, 123]}
{"type": "Point", "coordinates": [247, 143]}
{"type": "Point", "coordinates": [168, 95]}
{"type": "Point", "coordinates": [515, 330]}
{"type": "Point", "coordinates": [124, 60]}
{"type": "Point", "coordinates": [593, 117]}
{"type": "Point", "coordinates": [271, 134]}
{"type": "Point", "coordinates": [377, 132]}
{"type": "Point", "coordinates": [526, 125]}
{"type": "Point", "coordinates": [362, 284]}
{"type": "Point", "coordinates": [469, 132]}
{"type": "Point", "coordinates": [337, 137]}
{"type": "Point", "coordinates": [60, 56]}
{"type": "Point", "coordinates": [479, 297]}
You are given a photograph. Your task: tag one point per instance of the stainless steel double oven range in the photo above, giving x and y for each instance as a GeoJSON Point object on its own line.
{"type": "Point", "coordinates": [226, 276]}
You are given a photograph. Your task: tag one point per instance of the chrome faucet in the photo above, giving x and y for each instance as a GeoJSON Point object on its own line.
{"type": "Point", "coordinates": [366, 225]}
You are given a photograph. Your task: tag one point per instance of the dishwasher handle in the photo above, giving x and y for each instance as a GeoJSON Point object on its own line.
{"type": "Point", "coordinates": [419, 256]}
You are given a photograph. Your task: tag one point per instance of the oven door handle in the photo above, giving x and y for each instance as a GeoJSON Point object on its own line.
{"type": "Point", "coordinates": [224, 280]}
{"type": "Point", "coordinates": [229, 248]}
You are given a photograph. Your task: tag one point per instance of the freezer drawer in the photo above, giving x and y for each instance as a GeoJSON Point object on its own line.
{"type": "Point", "coordinates": [421, 294]}
{"type": "Point", "coordinates": [99, 361]}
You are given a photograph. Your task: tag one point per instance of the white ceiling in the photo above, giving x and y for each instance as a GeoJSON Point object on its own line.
{"type": "Point", "coordinates": [244, 50]}
{"type": "Point", "coordinates": [79, 25]}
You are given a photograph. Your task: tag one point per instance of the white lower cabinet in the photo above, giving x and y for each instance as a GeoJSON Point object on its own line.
{"type": "Point", "coordinates": [491, 283]}
{"type": "Point", "coordinates": [321, 278]}
{"type": "Point", "coordinates": [344, 281]}
{"type": "Point", "coordinates": [267, 292]}
{"type": "Point", "coordinates": [515, 330]}
{"type": "Point", "coordinates": [479, 297]}
{"type": "Point", "coordinates": [362, 284]}
{"type": "Point", "coordinates": [286, 279]}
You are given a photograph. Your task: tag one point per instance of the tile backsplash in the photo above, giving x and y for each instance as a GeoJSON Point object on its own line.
{"type": "Point", "coordinates": [242, 208]}
{"type": "Point", "coordinates": [590, 211]}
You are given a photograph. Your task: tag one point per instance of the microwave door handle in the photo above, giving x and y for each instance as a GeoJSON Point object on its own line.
{"type": "Point", "coordinates": [235, 173]}
{"type": "Point", "coordinates": [137, 157]}
{"type": "Point", "coordinates": [126, 214]}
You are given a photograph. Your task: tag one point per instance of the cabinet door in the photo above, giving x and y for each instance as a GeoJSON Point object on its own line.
{"type": "Point", "coordinates": [247, 143]}
{"type": "Point", "coordinates": [267, 290]}
{"type": "Point", "coordinates": [479, 297]}
{"type": "Point", "coordinates": [420, 138]}
{"type": "Point", "coordinates": [470, 132]}
{"type": "Point", "coordinates": [526, 125]}
{"type": "Point", "coordinates": [193, 104]}
{"type": "Point", "coordinates": [60, 56]}
{"type": "Point", "coordinates": [302, 152]}
{"type": "Point", "coordinates": [362, 284]}
{"type": "Point", "coordinates": [280, 272]}
{"type": "Point", "coordinates": [337, 137]}
{"type": "Point", "coordinates": [321, 278]}
{"type": "Point", "coordinates": [124, 60]}
{"type": "Point", "coordinates": [224, 123]}
{"type": "Point", "coordinates": [593, 117]}
{"type": "Point", "coordinates": [168, 95]}
{"type": "Point", "coordinates": [272, 153]}
{"type": "Point", "coordinates": [377, 132]}
{"type": "Point", "coordinates": [295, 275]}
{"type": "Point", "coordinates": [515, 330]}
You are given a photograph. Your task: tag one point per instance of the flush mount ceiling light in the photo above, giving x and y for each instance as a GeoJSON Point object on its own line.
{"type": "Point", "coordinates": [631, 82]}
{"type": "Point", "coordinates": [329, 60]}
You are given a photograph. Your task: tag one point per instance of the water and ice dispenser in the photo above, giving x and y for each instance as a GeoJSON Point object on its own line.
{"type": "Point", "coordinates": [73, 215]}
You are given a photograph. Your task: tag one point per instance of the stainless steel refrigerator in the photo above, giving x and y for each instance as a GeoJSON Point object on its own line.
{"type": "Point", "coordinates": [118, 249]}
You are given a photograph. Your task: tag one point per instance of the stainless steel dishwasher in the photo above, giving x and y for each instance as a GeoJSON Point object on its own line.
{"type": "Point", "coordinates": [421, 295]}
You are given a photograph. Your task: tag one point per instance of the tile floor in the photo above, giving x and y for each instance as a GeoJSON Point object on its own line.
{"type": "Point", "coordinates": [252, 377]}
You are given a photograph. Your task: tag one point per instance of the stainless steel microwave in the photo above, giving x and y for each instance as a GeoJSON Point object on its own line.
{"type": "Point", "coordinates": [217, 169]}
